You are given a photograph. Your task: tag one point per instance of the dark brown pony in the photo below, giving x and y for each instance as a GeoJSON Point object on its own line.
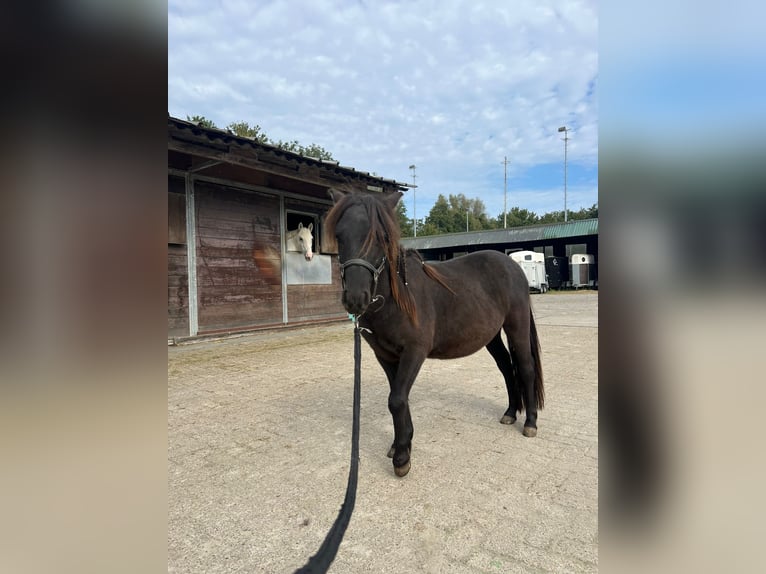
{"type": "Point", "coordinates": [411, 310]}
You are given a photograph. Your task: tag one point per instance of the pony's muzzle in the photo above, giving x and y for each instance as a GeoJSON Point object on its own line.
{"type": "Point", "coordinates": [355, 303]}
{"type": "Point", "coordinates": [362, 276]}
{"type": "Point", "coordinates": [309, 255]}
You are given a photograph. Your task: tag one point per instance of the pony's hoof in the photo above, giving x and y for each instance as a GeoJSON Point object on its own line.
{"type": "Point", "coordinates": [402, 470]}
{"type": "Point", "coordinates": [507, 420]}
{"type": "Point", "coordinates": [529, 431]}
{"type": "Point", "coordinates": [390, 453]}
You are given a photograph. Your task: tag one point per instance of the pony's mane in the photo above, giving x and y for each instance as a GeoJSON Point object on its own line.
{"type": "Point", "coordinates": [383, 231]}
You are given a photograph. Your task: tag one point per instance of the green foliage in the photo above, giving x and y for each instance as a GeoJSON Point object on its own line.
{"type": "Point", "coordinates": [439, 219]}
{"type": "Point", "coordinates": [552, 217]}
{"type": "Point", "coordinates": [201, 121]}
{"type": "Point", "coordinates": [244, 129]}
{"type": "Point", "coordinates": [558, 216]}
{"type": "Point", "coordinates": [586, 213]}
{"type": "Point", "coordinates": [405, 223]}
{"type": "Point", "coordinates": [312, 150]}
{"type": "Point", "coordinates": [448, 215]}
{"type": "Point", "coordinates": [517, 217]}
{"type": "Point", "coordinates": [454, 214]}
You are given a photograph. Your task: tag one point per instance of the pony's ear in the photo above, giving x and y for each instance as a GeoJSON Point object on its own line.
{"type": "Point", "coordinates": [311, 227]}
{"type": "Point", "coordinates": [392, 199]}
{"type": "Point", "coordinates": [335, 194]}
{"type": "Point", "coordinates": [300, 226]}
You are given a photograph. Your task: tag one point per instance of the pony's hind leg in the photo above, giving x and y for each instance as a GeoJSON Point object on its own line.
{"type": "Point", "coordinates": [502, 357]}
{"type": "Point", "coordinates": [524, 347]}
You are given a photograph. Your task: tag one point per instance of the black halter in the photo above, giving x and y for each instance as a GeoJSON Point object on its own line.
{"type": "Point", "coordinates": [376, 271]}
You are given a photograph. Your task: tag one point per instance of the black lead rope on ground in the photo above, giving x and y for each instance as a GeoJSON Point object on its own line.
{"type": "Point", "coordinates": [320, 562]}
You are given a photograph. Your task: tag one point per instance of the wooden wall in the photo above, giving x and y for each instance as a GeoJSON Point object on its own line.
{"type": "Point", "coordinates": [178, 292]}
{"type": "Point", "coordinates": [178, 272]}
{"type": "Point", "coordinates": [315, 302]}
{"type": "Point", "coordinates": [239, 262]}
{"type": "Point", "coordinates": [239, 267]}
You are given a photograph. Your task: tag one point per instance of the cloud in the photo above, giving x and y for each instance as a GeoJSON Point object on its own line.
{"type": "Point", "coordinates": [384, 85]}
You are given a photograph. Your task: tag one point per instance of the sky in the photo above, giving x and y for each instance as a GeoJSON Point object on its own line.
{"type": "Point", "coordinates": [452, 87]}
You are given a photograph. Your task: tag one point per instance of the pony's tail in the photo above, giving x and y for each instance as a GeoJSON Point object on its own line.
{"type": "Point", "coordinates": [535, 344]}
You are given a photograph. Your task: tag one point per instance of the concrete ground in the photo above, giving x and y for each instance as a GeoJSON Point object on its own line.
{"type": "Point", "coordinates": [259, 431]}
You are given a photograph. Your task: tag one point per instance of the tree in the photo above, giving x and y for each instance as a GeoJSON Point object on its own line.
{"type": "Point", "coordinates": [517, 217]}
{"type": "Point", "coordinates": [243, 129]}
{"type": "Point", "coordinates": [202, 121]}
{"type": "Point", "coordinates": [558, 216]}
{"type": "Point", "coordinates": [439, 219]}
{"type": "Point", "coordinates": [585, 212]}
{"type": "Point", "coordinates": [405, 223]}
{"type": "Point", "coordinates": [552, 217]}
{"type": "Point", "coordinates": [450, 215]}
{"type": "Point", "coordinates": [312, 150]}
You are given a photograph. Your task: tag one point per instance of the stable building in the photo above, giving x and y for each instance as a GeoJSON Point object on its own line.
{"type": "Point", "coordinates": [231, 203]}
{"type": "Point", "coordinates": [561, 244]}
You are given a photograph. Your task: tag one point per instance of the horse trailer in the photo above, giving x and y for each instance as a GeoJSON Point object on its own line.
{"type": "Point", "coordinates": [533, 265]}
{"type": "Point", "coordinates": [557, 269]}
{"type": "Point", "coordinates": [582, 270]}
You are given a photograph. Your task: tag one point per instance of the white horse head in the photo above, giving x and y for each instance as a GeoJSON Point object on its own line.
{"type": "Point", "coordinates": [301, 240]}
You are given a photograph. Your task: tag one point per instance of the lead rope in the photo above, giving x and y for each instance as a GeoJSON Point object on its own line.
{"type": "Point", "coordinates": [320, 562]}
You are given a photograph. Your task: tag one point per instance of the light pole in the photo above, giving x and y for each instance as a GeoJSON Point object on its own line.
{"type": "Point", "coordinates": [566, 139]}
{"type": "Point", "coordinates": [414, 204]}
{"type": "Point", "coordinates": [505, 192]}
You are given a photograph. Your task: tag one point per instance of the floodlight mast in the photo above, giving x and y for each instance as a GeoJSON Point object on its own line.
{"type": "Point", "coordinates": [566, 139]}
{"type": "Point", "coordinates": [414, 204]}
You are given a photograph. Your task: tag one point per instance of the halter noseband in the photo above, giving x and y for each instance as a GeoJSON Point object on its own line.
{"type": "Point", "coordinates": [376, 271]}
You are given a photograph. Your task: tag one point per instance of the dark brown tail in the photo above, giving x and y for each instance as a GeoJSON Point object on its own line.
{"type": "Point", "coordinates": [535, 344]}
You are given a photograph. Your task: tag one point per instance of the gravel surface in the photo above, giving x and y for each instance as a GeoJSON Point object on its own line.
{"type": "Point", "coordinates": [259, 440]}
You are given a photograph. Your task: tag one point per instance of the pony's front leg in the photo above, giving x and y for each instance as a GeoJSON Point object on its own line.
{"type": "Point", "coordinates": [390, 368]}
{"type": "Point", "coordinates": [398, 405]}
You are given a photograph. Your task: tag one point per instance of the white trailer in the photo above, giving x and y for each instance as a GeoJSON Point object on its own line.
{"type": "Point", "coordinates": [582, 270]}
{"type": "Point", "coordinates": [533, 265]}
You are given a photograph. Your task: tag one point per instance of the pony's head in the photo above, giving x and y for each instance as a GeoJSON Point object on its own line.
{"type": "Point", "coordinates": [366, 229]}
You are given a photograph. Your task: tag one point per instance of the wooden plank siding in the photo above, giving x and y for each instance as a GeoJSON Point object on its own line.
{"type": "Point", "coordinates": [239, 261]}
{"type": "Point", "coordinates": [238, 258]}
{"type": "Point", "coordinates": [316, 302]}
{"type": "Point", "coordinates": [178, 292]}
{"type": "Point", "coordinates": [178, 271]}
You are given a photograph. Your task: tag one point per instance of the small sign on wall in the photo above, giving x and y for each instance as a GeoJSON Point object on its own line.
{"type": "Point", "coordinates": [318, 271]}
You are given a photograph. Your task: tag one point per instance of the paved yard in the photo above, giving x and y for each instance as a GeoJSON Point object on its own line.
{"type": "Point", "coordinates": [259, 441]}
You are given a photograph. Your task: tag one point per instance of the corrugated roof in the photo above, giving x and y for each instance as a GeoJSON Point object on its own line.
{"type": "Point", "coordinates": [227, 137]}
{"type": "Point", "coordinates": [571, 228]}
{"type": "Point", "coordinates": [511, 235]}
